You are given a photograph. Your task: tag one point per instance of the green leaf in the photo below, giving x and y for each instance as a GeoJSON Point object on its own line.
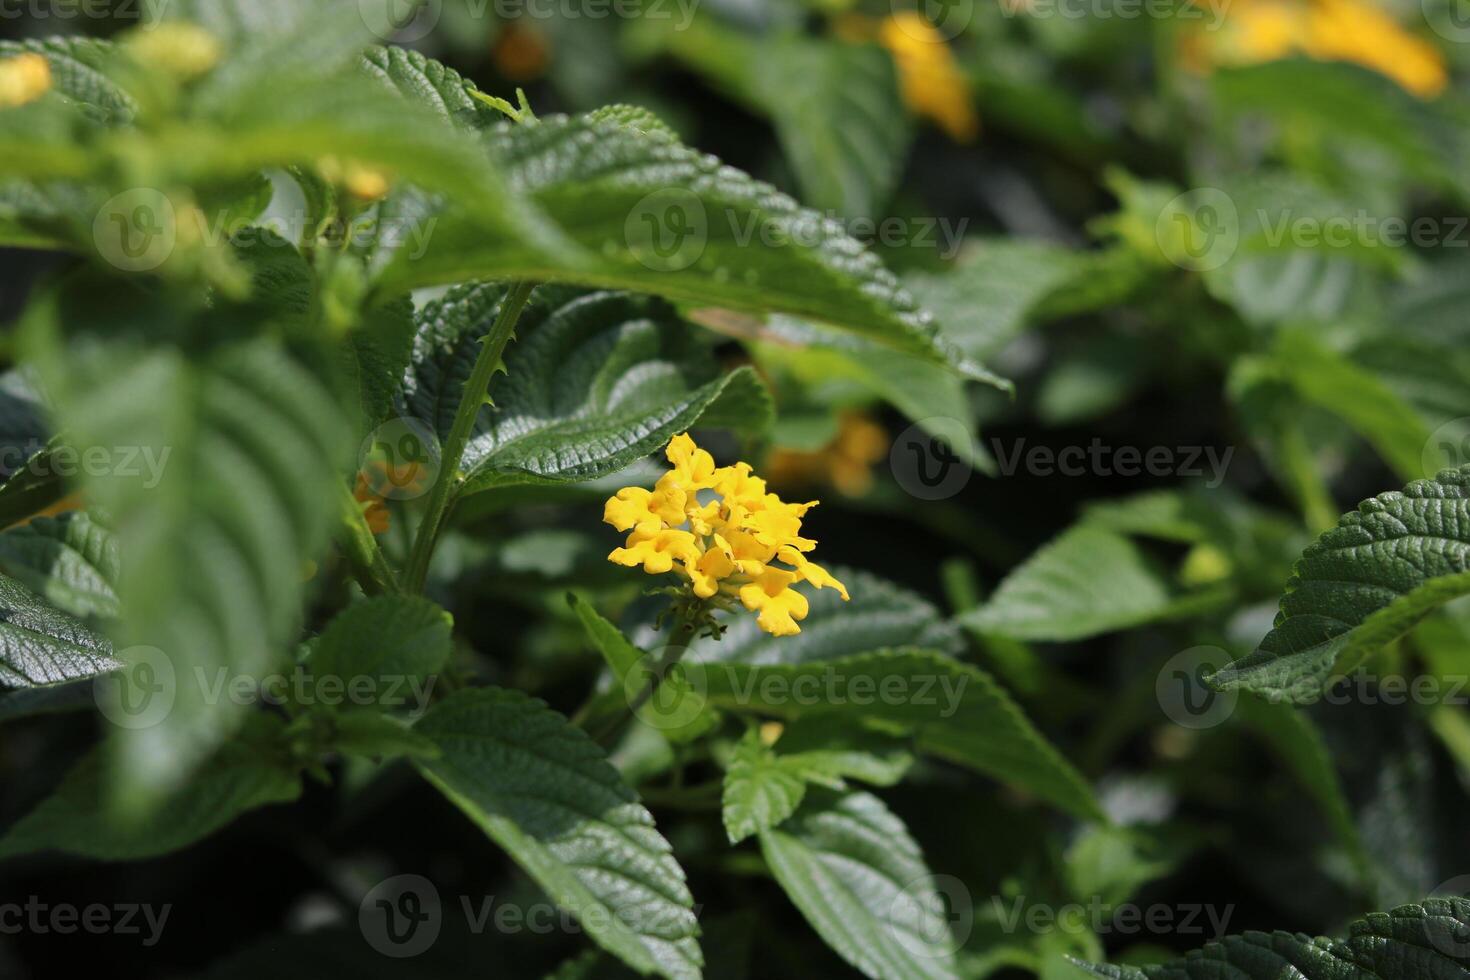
{"type": "Point", "coordinates": [77, 819]}
{"type": "Point", "coordinates": [859, 879]}
{"type": "Point", "coordinates": [1086, 581]}
{"type": "Point", "coordinates": [1412, 942]}
{"type": "Point", "coordinates": [32, 488]}
{"type": "Point", "coordinates": [1358, 397]}
{"type": "Point", "coordinates": [428, 82]}
{"type": "Point", "coordinates": [40, 645]}
{"type": "Point", "coordinates": [389, 648]}
{"type": "Point", "coordinates": [761, 790]}
{"type": "Point", "coordinates": [764, 786]}
{"type": "Point", "coordinates": [632, 669]}
{"type": "Point", "coordinates": [381, 348]}
{"type": "Point", "coordinates": [1362, 585]}
{"type": "Point", "coordinates": [378, 736]}
{"type": "Point", "coordinates": [236, 491]}
{"type": "Point", "coordinates": [71, 561]}
{"type": "Point", "coordinates": [545, 792]}
{"type": "Point", "coordinates": [802, 85]}
{"type": "Point", "coordinates": [950, 709]}
{"type": "Point", "coordinates": [995, 289]}
{"type": "Point", "coordinates": [595, 381]}
{"type": "Point", "coordinates": [658, 217]}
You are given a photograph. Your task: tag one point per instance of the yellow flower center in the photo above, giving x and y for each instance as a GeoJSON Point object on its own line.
{"type": "Point", "coordinates": [721, 529]}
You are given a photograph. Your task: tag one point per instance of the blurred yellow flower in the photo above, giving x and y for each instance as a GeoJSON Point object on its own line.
{"type": "Point", "coordinates": [722, 530]}
{"type": "Point", "coordinates": [1355, 31]}
{"type": "Point", "coordinates": [185, 51]}
{"type": "Point", "coordinates": [24, 78]}
{"type": "Point", "coordinates": [932, 83]}
{"type": "Point", "coordinates": [362, 182]}
{"type": "Point", "coordinates": [846, 462]}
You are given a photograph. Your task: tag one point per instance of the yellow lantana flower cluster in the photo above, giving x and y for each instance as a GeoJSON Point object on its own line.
{"type": "Point", "coordinates": [720, 528]}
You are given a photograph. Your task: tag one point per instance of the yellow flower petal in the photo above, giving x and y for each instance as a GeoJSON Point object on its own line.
{"type": "Point", "coordinates": [778, 604]}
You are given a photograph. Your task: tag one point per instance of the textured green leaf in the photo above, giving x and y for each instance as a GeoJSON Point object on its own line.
{"type": "Point", "coordinates": [545, 792]}
{"type": "Point", "coordinates": [381, 348]}
{"type": "Point", "coordinates": [77, 819]}
{"type": "Point", "coordinates": [859, 879]}
{"type": "Point", "coordinates": [760, 790]}
{"type": "Point", "coordinates": [71, 561]}
{"type": "Point", "coordinates": [764, 786]}
{"type": "Point", "coordinates": [1085, 582]}
{"type": "Point", "coordinates": [1361, 585]}
{"type": "Point", "coordinates": [214, 538]}
{"type": "Point", "coordinates": [389, 646]}
{"type": "Point", "coordinates": [594, 382]}
{"type": "Point", "coordinates": [40, 645]}
{"type": "Point", "coordinates": [725, 239]}
{"type": "Point", "coordinates": [1412, 942]}
{"type": "Point", "coordinates": [950, 709]}
{"type": "Point", "coordinates": [429, 82]}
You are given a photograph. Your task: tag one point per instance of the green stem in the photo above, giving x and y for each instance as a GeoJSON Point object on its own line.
{"type": "Point", "coordinates": [459, 434]}
{"type": "Point", "coordinates": [686, 621]}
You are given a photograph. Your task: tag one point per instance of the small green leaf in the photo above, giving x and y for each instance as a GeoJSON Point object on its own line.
{"type": "Point", "coordinates": [859, 879]}
{"type": "Point", "coordinates": [545, 792]}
